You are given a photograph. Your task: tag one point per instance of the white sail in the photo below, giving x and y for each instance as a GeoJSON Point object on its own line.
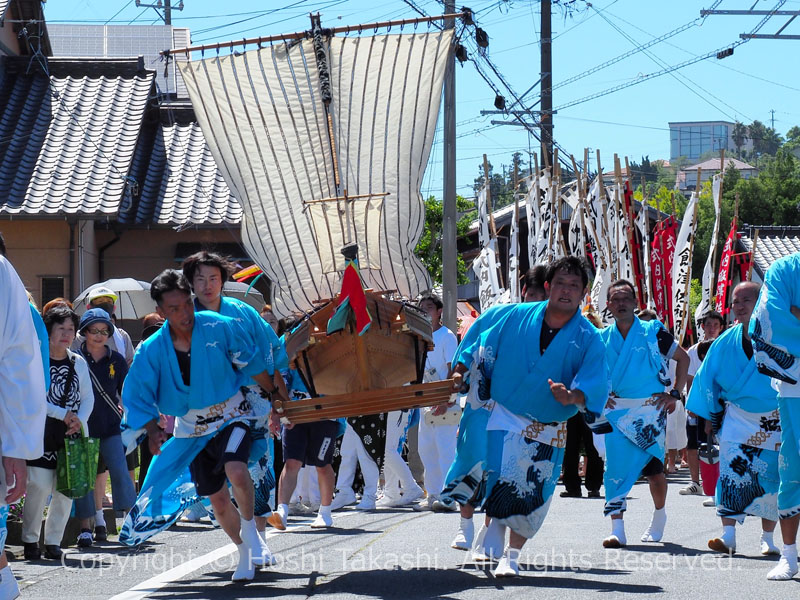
{"type": "Point", "coordinates": [266, 122]}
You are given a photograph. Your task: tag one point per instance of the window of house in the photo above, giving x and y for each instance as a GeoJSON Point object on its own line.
{"type": "Point", "coordinates": [52, 287]}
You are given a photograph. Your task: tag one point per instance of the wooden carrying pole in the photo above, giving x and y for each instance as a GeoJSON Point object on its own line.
{"type": "Point", "coordinates": [298, 35]}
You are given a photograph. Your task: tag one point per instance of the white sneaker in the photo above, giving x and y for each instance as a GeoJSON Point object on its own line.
{"type": "Point", "coordinates": [411, 496]}
{"type": "Point", "coordinates": [387, 501]}
{"type": "Point", "coordinates": [693, 489]}
{"type": "Point", "coordinates": [9, 588]}
{"type": "Point", "coordinates": [710, 501]}
{"type": "Point", "coordinates": [441, 505]}
{"type": "Point", "coordinates": [343, 498]}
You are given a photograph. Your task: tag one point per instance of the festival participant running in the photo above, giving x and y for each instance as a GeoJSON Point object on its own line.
{"type": "Point", "coordinates": [637, 353]}
{"type": "Point", "coordinates": [748, 424]}
{"type": "Point", "coordinates": [775, 331]}
{"type": "Point", "coordinates": [207, 272]}
{"type": "Point", "coordinates": [539, 363]}
{"type": "Point", "coordinates": [194, 367]}
{"type": "Point", "coordinates": [22, 403]}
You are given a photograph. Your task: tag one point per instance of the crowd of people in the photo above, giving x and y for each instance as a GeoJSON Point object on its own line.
{"type": "Point", "coordinates": [540, 383]}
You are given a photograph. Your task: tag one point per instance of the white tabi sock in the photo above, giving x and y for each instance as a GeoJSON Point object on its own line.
{"type": "Point", "coordinates": [508, 565]}
{"type": "Point", "coordinates": [495, 540]}
{"type": "Point", "coordinates": [787, 565]}
{"type": "Point", "coordinates": [245, 571]}
{"type": "Point", "coordinates": [99, 518]}
{"type": "Point", "coordinates": [9, 588]}
{"type": "Point", "coordinates": [324, 518]}
{"type": "Point", "coordinates": [249, 535]}
{"type": "Point", "coordinates": [768, 544]}
{"type": "Point", "coordinates": [655, 531]}
{"type": "Point", "coordinates": [729, 536]}
{"type": "Point", "coordinates": [617, 538]}
{"type": "Point", "coordinates": [464, 535]}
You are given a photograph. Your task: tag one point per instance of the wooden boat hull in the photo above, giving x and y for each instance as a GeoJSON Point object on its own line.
{"type": "Point", "coordinates": [349, 375]}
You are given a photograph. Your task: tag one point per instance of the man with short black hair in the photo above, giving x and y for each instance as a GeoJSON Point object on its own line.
{"type": "Point", "coordinates": [530, 366]}
{"type": "Point", "coordinates": [207, 273]}
{"type": "Point", "coordinates": [637, 355]}
{"type": "Point", "coordinates": [193, 368]}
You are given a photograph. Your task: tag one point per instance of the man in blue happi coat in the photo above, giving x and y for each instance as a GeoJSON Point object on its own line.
{"type": "Point", "coordinates": [194, 368]}
{"type": "Point", "coordinates": [207, 273]}
{"type": "Point", "coordinates": [742, 405]}
{"type": "Point", "coordinates": [637, 353]}
{"type": "Point", "coordinates": [775, 331]}
{"type": "Point", "coordinates": [535, 365]}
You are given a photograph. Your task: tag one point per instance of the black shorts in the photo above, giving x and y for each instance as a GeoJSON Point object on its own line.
{"type": "Point", "coordinates": [654, 467]}
{"type": "Point", "coordinates": [696, 434]}
{"type": "Point", "coordinates": [311, 443]}
{"type": "Point", "coordinates": [232, 444]}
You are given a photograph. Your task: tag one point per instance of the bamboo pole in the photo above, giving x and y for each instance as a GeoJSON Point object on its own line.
{"type": "Point", "coordinates": [284, 37]}
{"type": "Point", "coordinates": [753, 258]}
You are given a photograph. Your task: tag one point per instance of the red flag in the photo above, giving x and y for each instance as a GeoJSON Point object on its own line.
{"type": "Point", "coordinates": [664, 237]}
{"type": "Point", "coordinates": [724, 280]}
{"type": "Point", "coordinates": [351, 297]}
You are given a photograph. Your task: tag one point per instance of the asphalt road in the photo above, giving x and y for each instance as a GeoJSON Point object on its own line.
{"type": "Point", "coordinates": [399, 553]}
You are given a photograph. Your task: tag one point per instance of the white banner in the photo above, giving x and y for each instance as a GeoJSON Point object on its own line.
{"type": "Point", "coordinates": [533, 213]}
{"type": "Point", "coordinates": [708, 271]}
{"type": "Point", "coordinates": [682, 268]}
{"type": "Point", "coordinates": [486, 269]}
{"type": "Point", "coordinates": [543, 241]}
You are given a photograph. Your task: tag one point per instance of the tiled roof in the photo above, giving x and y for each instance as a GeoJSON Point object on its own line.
{"type": "Point", "coordinates": [180, 184]}
{"type": "Point", "coordinates": [773, 243]}
{"type": "Point", "coordinates": [712, 164]}
{"type": "Point", "coordinates": [67, 140]}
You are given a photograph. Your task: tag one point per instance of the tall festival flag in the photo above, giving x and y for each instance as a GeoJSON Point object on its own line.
{"type": "Point", "coordinates": [533, 214]}
{"type": "Point", "coordinates": [513, 254]}
{"type": "Point", "coordinates": [724, 279]}
{"type": "Point", "coordinates": [485, 265]}
{"type": "Point", "coordinates": [682, 267]}
{"type": "Point", "coordinates": [661, 255]}
{"type": "Point", "coordinates": [642, 225]}
{"type": "Point", "coordinates": [706, 303]}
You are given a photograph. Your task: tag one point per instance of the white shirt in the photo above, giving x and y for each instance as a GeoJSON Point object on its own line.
{"type": "Point", "coordinates": [22, 389]}
{"type": "Point", "coordinates": [444, 348]}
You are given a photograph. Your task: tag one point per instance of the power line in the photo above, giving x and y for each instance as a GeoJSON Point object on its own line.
{"type": "Point", "coordinates": [124, 6]}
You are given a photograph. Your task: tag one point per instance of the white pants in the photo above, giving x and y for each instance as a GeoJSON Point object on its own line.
{"type": "Point", "coordinates": [437, 449]}
{"type": "Point", "coordinates": [41, 484]}
{"type": "Point", "coordinates": [353, 452]}
{"type": "Point", "coordinates": [395, 470]}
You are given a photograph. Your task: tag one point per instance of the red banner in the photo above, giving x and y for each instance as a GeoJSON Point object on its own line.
{"type": "Point", "coordinates": [724, 279]}
{"type": "Point", "coordinates": [663, 250]}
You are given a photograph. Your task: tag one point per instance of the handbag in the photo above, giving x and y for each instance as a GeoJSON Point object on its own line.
{"type": "Point", "coordinates": [55, 430]}
{"type": "Point", "coordinates": [76, 467]}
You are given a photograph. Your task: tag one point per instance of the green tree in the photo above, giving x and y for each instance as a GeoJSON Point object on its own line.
{"type": "Point", "coordinates": [429, 247]}
{"type": "Point", "coordinates": [739, 135]}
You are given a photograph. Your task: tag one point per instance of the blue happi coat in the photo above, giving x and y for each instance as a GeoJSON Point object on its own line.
{"type": "Point", "coordinates": [224, 357]}
{"type": "Point", "coordinates": [637, 370]}
{"type": "Point", "coordinates": [776, 340]}
{"type": "Point", "coordinates": [509, 346]}
{"type": "Point", "coordinates": [729, 391]}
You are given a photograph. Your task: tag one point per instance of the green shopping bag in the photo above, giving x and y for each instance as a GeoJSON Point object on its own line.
{"type": "Point", "coordinates": [76, 468]}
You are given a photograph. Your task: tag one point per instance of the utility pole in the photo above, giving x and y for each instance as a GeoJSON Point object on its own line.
{"type": "Point", "coordinates": [773, 118]}
{"type": "Point", "coordinates": [449, 232]}
{"type": "Point", "coordinates": [164, 5]}
{"type": "Point", "coordinates": [546, 74]}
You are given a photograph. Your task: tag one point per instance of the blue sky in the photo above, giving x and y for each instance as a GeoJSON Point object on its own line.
{"type": "Point", "coordinates": [760, 76]}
